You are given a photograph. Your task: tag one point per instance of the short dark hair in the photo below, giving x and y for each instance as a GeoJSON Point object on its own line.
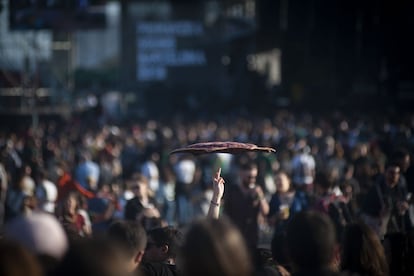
{"type": "Point", "coordinates": [311, 240]}
{"type": "Point", "coordinates": [128, 234]}
{"type": "Point", "coordinates": [399, 154]}
{"type": "Point", "coordinates": [392, 163]}
{"type": "Point", "coordinates": [322, 180]}
{"type": "Point", "coordinates": [168, 235]}
{"type": "Point", "coordinates": [138, 177]}
{"type": "Point", "coordinates": [249, 165]}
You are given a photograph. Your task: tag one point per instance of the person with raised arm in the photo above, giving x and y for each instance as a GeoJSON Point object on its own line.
{"type": "Point", "coordinates": [244, 201]}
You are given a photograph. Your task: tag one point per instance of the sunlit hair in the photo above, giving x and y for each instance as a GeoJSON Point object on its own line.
{"type": "Point", "coordinates": [362, 251]}
{"type": "Point", "coordinates": [137, 177]}
{"type": "Point", "coordinates": [214, 247]}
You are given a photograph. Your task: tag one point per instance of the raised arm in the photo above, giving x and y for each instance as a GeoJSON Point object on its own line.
{"type": "Point", "coordinates": [218, 191]}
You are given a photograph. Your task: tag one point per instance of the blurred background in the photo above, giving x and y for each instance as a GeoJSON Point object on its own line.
{"type": "Point", "coordinates": [138, 59]}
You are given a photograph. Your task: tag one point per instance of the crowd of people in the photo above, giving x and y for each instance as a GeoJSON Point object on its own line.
{"type": "Point", "coordinates": [85, 197]}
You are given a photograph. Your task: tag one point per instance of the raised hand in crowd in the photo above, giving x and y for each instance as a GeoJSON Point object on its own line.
{"type": "Point", "coordinates": [218, 191]}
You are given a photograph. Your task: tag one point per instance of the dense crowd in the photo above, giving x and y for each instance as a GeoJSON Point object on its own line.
{"type": "Point", "coordinates": [336, 181]}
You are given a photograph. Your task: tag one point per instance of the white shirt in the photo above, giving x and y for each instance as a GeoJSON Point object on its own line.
{"type": "Point", "coordinates": [50, 196]}
{"type": "Point", "coordinates": [303, 167]}
{"type": "Point", "coordinates": [185, 170]}
{"type": "Point", "coordinates": [150, 170]}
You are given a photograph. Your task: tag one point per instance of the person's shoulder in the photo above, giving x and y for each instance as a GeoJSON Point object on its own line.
{"type": "Point", "coordinates": [157, 269]}
{"type": "Point", "coordinates": [267, 271]}
{"type": "Point", "coordinates": [321, 273]}
{"type": "Point", "coordinates": [348, 273]}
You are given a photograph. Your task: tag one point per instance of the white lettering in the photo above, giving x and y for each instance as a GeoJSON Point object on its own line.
{"type": "Point", "coordinates": [176, 28]}
{"type": "Point", "coordinates": [158, 48]}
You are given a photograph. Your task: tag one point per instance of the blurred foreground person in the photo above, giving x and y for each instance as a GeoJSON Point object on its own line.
{"type": "Point", "coordinates": [399, 250]}
{"type": "Point", "coordinates": [362, 251]}
{"type": "Point", "coordinates": [214, 247]}
{"type": "Point", "coordinates": [15, 260]}
{"type": "Point", "coordinates": [93, 257]}
{"type": "Point", "coordinates": [312, 245]}
{"type": "Point", "coordinates": [42, 235]}
{"type": "Point", "coordinates": [131, 236]}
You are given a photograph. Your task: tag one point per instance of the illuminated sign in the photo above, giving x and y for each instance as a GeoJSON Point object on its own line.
{"type": "Point", "coordinates": [162, 45]}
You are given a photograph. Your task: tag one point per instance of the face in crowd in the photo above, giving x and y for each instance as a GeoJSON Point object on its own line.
{"type": "Point", "coordinates": [248, 177]}
{"type": "Point", "coordinates": [140, 188]}
{"type": "Point", "coordinates": [282, 182]}
{"type": "Point", "coordinates": [392, 176]}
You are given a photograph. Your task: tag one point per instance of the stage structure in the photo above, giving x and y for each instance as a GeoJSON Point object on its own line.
{"type": "Point", "coordinates": [184, 53]}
